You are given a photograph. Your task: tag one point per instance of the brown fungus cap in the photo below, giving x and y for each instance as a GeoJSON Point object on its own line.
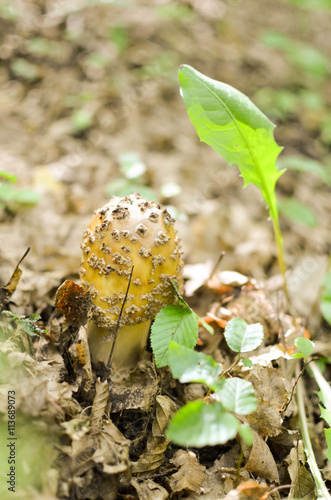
{"type": "Point", "coordinates": [130, 232]}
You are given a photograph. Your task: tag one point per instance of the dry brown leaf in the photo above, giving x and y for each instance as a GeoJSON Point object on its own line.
{"type": "Point", "coordinates": [7, 291]}
{"type": "Point", "coordinates": [304, 486]}
{"type": "Point", "coordinates": [139, 392]}
{"type": "Point", "coordinates": [272, 393]}
{"type": "Point", "coordinates": [260, 460]}
{"type": "Point", "coordinates": [99, 404]}
{"type": "Point", "coordinates": [157, 444]}
{"type": "Point", "coordinates": [190, 475]}
{"type": "Point", "coordinates": [149, 490]}
{"type": "Point", "coordinates": [248, 490]}
{"type": "Point", "coordinates": [112, 452]}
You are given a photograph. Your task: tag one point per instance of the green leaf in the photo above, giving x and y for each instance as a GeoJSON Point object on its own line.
{"type": "Point", "coordinates": [302, 164]}
{"type": "Point", "coordinates": [305, 346]}
{"type": "Point", "coordinates": [242, 337]}
{"type": "Point", "coordinates": [326, 298]}
{"type": "Point", "coordinates": [246, 434]}
{"type": "Point", "coordinates": [131, 165]}
{"type": "Point", "coordinates": [9, 177]}
{"type": "Point", "coordinates": [81, 120]}
{"type": "Point", "coordinates": [327, 433]}
{"type": "Point", "coordinates": [198, 424]}
{"type": "Point", "coordinates": [325, 389]}
{"type": "Point", "coordinates": [247, 362]}
{"type": "Point", "coordinates": [173, 323]}
{"type": "Point", "coordinates": [237, 395]}
{"type": "Point", "coordinates": [28, 325]}
{"type": "Point", "coordinates": [190, 366]}
{"type": "Point", "coordinates": [125, 187]}
{"type": "Point", "coordinates": [325, 414]}
{"type": "Point", "coordinates": [231, 124]}
{"type": "Point", "coordinates": [298, 212]}
{"type": "Point", "coordinates": [206, 326]}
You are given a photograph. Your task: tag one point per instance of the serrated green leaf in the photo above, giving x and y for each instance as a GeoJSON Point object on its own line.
{"type": "Point", "coordinates": [242, 337]}
{"type": "Point", "coordinates": [173, 323]}
{"type": "Point", "coordinates": [325, 414]}
{"type": "Point", "coordinates": [190, 366]}
{"type": "Point", "coordinates": [237, 395]}
{"type": "Point", "coordinates": [198, 424]}
{"type": "Point", "coordinates": [231, 124]}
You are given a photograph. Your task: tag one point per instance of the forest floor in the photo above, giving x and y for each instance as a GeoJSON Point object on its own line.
{"type": "Point", "coordinates": [84, 83]}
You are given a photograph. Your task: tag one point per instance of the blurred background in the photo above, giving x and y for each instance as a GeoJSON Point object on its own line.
{"type": "Point", "coordinates": [90, 108]}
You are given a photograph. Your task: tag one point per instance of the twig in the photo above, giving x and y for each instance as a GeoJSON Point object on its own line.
{"type": "Point", "coordinates": [118, 322]}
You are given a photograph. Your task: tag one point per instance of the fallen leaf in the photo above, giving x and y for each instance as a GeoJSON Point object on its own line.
{"type": "Point", "coordinates": [260, 460]}
{"type": "Point", "coordinates": [190, 475]}
{"type": "Point", "coordinates": [153, 456]}
{"type": "Point", "coordinates": [271, 392]}
{"type": "Point", "coordinates": [7, 291]}
{"type": "Point", "coordinates": [149, 490]}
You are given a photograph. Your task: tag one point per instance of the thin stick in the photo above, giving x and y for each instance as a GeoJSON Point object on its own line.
{"type": "Point", "coordinates": [118, 322]}
{"type": "Point", "coordinates": [216, 265]}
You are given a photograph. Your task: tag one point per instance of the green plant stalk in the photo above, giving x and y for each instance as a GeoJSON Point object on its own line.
{"type": "Point", "coordinates": [320, 485]}
{"type": "Point", "coordinates": [279, 242]}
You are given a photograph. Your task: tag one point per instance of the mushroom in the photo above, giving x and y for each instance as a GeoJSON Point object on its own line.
{"type": "Point", "coordinates": [128, 233]}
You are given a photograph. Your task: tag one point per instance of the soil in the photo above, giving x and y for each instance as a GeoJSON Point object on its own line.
{"type": "Point", "coordinates": [84, 82]}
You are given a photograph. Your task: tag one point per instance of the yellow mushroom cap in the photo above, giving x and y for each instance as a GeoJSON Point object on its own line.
{"type": "Point", "coordinates": [130, 232]}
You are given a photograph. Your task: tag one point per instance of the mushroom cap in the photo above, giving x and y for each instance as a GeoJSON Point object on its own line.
{"type": "Point", "coordinates": [128, 232]}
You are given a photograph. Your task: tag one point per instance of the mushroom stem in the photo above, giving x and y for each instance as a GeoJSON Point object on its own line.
{"type": "Point", "coordinates": [130, 343]}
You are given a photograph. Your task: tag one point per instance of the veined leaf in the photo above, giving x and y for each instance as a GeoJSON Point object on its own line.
{"type": "Point", "coordinates": [242, 337]}
{"type": "Point", "coordinates": [237, 395]}
{"type": "Point", "coordinates": [231, 124]}
{"type": "Point", "coordinates": [198, 424]}
{"type": "Point", "coordinates": [191, 366]}
{"type": "Point", "coordinates": [173, 323]}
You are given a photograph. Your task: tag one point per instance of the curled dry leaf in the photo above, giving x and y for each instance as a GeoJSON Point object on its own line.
{"type": "Point", "coordinates": [149, 490]}
{"type": "Point", "coordinates": [190, 475]}
{"type": "Point", "coordinates": [260, 460]}
{"type": "Point", "coordinates": [153, 455]}
{"type": "Point", "coordinates": [7, 291]}
{"type": "Point", "coordinates": [271, 392]}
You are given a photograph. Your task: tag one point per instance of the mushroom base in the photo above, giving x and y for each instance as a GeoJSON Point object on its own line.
{"type": "Point", "coordinates": [130, 343]}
